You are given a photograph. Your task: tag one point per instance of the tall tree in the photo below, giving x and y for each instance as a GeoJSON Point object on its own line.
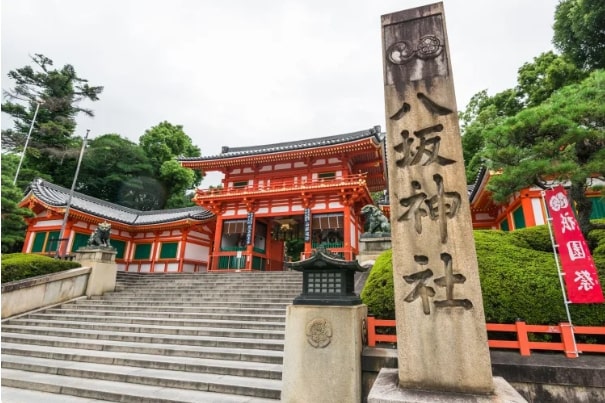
{"type": "Point", "coordinates": [163, 144]}
{"type": "Point", "coordinates": [562, 139]}
{"type": "Point", "coordinates": [13, 216]}
{"type": "Point", "coordinates": [579, 32]}
{"type": "Point", "coordinates": [536, 82]}
{"type": "Point", "coordinates": [58, 92]}
{"type": "Point", "coordinates": [109, 178]}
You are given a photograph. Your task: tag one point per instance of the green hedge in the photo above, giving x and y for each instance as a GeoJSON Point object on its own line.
{"type": "Point", "coordinates": [17, 266]}
{"type": "Point", "coordinates": [518, 276]}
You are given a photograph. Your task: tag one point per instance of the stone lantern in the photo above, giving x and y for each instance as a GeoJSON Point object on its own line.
{"type": "Point", "coordinates": [327, 279]}
{"type": "Point", "coordinates": [324, 333]}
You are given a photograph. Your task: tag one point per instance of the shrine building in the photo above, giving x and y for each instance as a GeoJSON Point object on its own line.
{"type": "Point", "coordinates": [309, 190]}
{"type": "Point", "coordinates": [176, 240]}
{"type": "Point", "coordinates": [276, 202]}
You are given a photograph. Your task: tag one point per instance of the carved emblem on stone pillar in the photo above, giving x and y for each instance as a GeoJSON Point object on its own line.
{"type": "Point", "coordinates": [319, 332]}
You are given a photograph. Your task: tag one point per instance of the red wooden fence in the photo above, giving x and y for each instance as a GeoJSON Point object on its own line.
{"type": "Point", "coordinates": [522, 331]}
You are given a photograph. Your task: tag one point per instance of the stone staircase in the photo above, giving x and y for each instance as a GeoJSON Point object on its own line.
{"type": "Point", "coordinates": [157, 338]}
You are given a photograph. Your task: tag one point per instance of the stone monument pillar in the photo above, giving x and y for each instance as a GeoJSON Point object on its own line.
{"type": "Point", "coordinates": [441, 336]}
{"type": "Point", "coordinates": [324, 333]}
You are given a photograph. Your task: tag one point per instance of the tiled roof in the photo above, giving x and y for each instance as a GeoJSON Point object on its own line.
{"type": "Point", "coordinates": [473, 188]}
{"type": "Point", "coordinates": [231, 152]}
{"type": "Point", "coordinates": [57, 196]}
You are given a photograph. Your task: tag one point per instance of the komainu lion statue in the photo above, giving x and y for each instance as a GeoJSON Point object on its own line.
{"type": "Point", "coordinates": [100, 237]}
{"type": "Point", "coordinates": [375, 221]}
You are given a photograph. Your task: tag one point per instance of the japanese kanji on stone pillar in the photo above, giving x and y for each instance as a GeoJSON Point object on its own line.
{"type": "Point", "coordinates": [441, 336]}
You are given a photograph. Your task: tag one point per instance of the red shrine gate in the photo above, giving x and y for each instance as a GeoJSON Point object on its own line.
{"type": "Point", "coordinates": [301, 193]}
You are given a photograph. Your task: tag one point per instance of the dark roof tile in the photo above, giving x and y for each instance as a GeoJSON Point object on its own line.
{"type": "Point", "coordinates": [55, 195]}
{"type": "Point", "coordinates": [231, 152]}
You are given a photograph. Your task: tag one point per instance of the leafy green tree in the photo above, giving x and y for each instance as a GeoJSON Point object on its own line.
{"type": "Point", "coordinates": [548, 72]}
{"type": "Point", "coordinates": [111, 169]}
{"type": "Point", "coordinates": [163, 144]}
{"type": "Point", "coordinates": [579, 32]}
{"type": "Point", "coordinates": [58, 92]}
{"type": "Point", "coordinates": [536, 82]}
{"type": "Point", "coordinates": [178, 180]}
{"type": "Point", "coordinates": [561, 139]}
{"type": "Point", "coordinates": [13, 216]}
{"type": "Point", "coordinates": [482, 113]}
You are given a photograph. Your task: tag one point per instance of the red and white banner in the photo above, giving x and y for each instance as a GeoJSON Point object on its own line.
{"type": "Point", "coordinates": [580, 273]}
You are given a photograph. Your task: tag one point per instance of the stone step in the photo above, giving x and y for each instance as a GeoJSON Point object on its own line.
{"type": "Point", "coordinates": [156, 338]}
{"type": "Point", "coordinates": [261, 344]}
{"type": "Point", "coordinates": [122, 391]}
{"type": "Point", "coordinates": [244, 315]}
{"type": "Point", "coordinates": [268, 307]}
{"type": "Point", "coordinates": [202, 283]}
{"type": "Point", "coordinates": [16, 395]}
{"type": "Point", "coordinates": [179, 294]}
{"type": "Point", "coordinates": [14, 352]}
{"type": "Point", "coordinates": [171, 378]}
{"type": "Point", "coordinates": [281, 302]}
{"type": "Point", "coordinates": [206, 312]}
{"type": "Point", "coordinates": [35, 342]}
{"type": "Point", "coordinates": [124, 317]}
{"type": "Point", "coordinates": [142, 328]}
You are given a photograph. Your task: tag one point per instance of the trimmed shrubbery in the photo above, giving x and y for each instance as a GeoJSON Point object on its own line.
{"type": "Point", "coordinates": [519, 280]}
{"type": "Point", "coordinates": [17, 266]}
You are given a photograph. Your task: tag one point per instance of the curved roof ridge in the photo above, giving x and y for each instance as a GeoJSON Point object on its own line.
{"type": "Point", "coordinates": [56, 195]}
{"type": "Point", "coordinates": [228, 152]}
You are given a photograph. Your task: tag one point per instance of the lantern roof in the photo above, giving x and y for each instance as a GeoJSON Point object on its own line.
{"type": "Point", "coordinates": [322, 259]}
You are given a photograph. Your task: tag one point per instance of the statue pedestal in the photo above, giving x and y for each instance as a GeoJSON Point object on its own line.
{"type": "Point", "coordinates": [104, 269]}
{"type": "Point", "coordinates": [371, 246]}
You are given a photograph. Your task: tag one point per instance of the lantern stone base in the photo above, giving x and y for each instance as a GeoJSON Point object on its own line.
{"type": "Point", "coordinates": [322, 354]}
{"type": "Point", "coordinates": [104, 269]}
{"type": "Point", "coordinates": [386, 389]}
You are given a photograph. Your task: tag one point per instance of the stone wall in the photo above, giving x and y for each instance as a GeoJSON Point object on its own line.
{"type": "Point", "coordinates": [40, 291]}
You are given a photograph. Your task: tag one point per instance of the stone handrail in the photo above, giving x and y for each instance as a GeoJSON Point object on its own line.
{"type": "Point", "coordinates": [40, 291]}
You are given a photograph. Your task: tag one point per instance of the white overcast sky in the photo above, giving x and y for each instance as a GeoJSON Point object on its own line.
{"type": "Point", "coordinates": [243, 72]}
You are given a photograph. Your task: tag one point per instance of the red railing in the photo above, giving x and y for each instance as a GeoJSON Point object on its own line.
{"type": "Point", "coordinates": [522, 331]}
{"type": "Point", "coordinates": [291, 184]}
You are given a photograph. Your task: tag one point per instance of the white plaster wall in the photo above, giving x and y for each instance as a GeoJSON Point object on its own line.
{"type": "Point", "coordinates": [197, 252]}
{"type": "Point", "coordinates": [48, 223]}
{"type": "Point", "coordinates": [283, 166]}
{"type": "Point", "coordinates": [536, 205]}
{"type": "Point", "coordinates": [172, 267]}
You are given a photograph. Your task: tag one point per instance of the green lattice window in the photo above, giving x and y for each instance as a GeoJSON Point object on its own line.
{"type": "Point", "coordinates": [168, 250]}
{"type": "Point", "coordinates": [598, 208]}
{"type": "Point", "coordinates": [519, 218]}
{"type": "Point", "coordinates": [120, 248]}
{"type": "Point", "coordinates": [504, 225]}
{"type": "Point", "coordinates": [326, 175]}
{"type": "Point", "coordinates": [80, 240]}
{"type": "Point", "coordinates": [142, 251]}
{"type": "Point", "coordinates": [39, 241]}
{"type": "Point", "coordinates": [45, 242]}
